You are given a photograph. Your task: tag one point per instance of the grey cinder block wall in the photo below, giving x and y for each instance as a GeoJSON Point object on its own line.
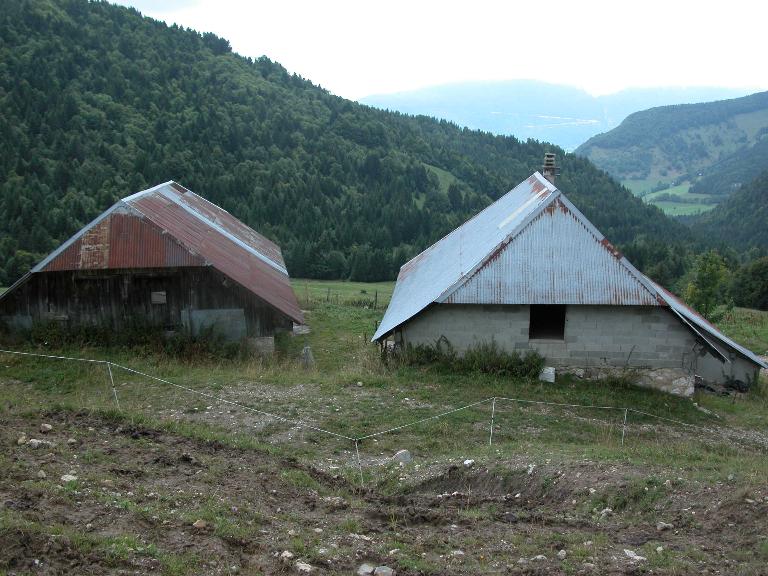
{"type": "Point", "coordinates": [642, 337]}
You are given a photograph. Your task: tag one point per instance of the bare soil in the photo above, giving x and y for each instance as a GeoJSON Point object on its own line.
{"type": "Point", "coordinates": [139, 491]}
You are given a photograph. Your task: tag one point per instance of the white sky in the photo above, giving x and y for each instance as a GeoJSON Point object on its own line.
{"type": "Point", "coordinates": [358, 48]}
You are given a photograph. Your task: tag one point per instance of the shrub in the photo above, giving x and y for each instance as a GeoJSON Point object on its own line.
{"type": "Point", "coordinates": [485, 357]}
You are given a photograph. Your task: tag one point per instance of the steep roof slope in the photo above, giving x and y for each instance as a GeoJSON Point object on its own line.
{"type": "Point", "coordinates": [532, 246]}
{"type": "Point", "coordinates": [169, 226]}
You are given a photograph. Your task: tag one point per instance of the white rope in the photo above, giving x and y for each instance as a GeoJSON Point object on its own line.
{"type": "Point", "coordinates": [233, 403]}
{"type": "Point", "coordinates": [55, 357]}
{"type": "Point", "coordinates": [559, 404]}
{"type": "Point", "coordinates": [424, 419]}
{"type": "Point", "coordinates": [186, 388]}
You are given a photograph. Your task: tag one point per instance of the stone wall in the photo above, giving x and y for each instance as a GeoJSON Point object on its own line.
{"type": "Point", "coordinates": [597, 338]}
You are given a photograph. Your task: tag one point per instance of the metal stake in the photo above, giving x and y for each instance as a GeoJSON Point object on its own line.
{"type": "Point", "coordinates": [359, 465]}
{"type": "Point", "coordinates": [624, 427]}
{"type": "Point", "coordinates": [111, 379]}
{"type": "Point", "coordinates": [493, 413]}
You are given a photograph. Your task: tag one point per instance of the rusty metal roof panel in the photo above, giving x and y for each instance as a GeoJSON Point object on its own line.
{"type": "Point", "coordinates": [426, 277]}
{"type": "Point", "coordinates": [168, 225]}
{"type": "Point", "coordinates": [557, 258]}
{"type": "Point", "coordinates": [121, 240]}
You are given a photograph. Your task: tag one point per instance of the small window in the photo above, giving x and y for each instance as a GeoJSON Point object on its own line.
{"type": "Point", "coordinates": [547, 322]}
{"type": "Point", "coordinates": [158, 297]}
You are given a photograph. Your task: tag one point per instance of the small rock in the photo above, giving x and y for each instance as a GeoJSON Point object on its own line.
{"type": "Point", "coordinates": [42, 475]}
{"type": "Point", "coordinates": [89, 527]}
{"type": "Point", "coordinates": [286, 557]}
{"type": "Point", "coordinates": [662, 526]}
{"type": "Point", "coordinates": [71, 441]}
{"type": "Point", "coordinates": [365, 570]}
{"type": "Point", "coordinates": [68, 478]}
{"type": "Point", "coordinates": [34, 443]}
{"type": "Point", "coordinates": [562, 554]}
{"type": "Point", "coordinates": [605, 512]}
{"type": "Point", "coordinates": [394, 551]}
{"type": "Point", "coordinates": [659, 549]}
{"type": "Point", "coordinates": [522, 561]}
{"type": "Point", "coordinates": [318, 530]}
{"type": "Point", "coordinates": [107, 482]}
{"type": "Point", "coordinates": [588, 543]}
{"type": "Point", "coordinates": [402, 456]}
{"type": "Point", "coordinates": [588, 566]}
{"type": "Point", "coordinates": [303, 567]}
{"type": "Point", "coordinates": [200, 524]}
{"type": "Point", "coordinates": [22, 440]}
{"type": "Point", "coordinates": [359, 384]}
{"type": "Point", "coordinates": [539, 558]}
{"type": "Point", "coordinates": [383, 571]}
{"type": "Point", "coordinates": [335, 503]}
{"type": "Point", "coordinates": [633, 556]}
{"type": "Point", "coordinates": [469, 463]}
{"type": "Point", "coordinates": [292, 532]}
{"type": "Point", "coordinates": [457, 553]}
{"type": "Point", "coordinates": [45, 428]}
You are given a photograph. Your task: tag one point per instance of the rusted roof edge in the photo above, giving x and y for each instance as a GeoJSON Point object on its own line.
{"type": "Point", "coordinates": [245, 246]}
{"type": "Point", "coordinates": [79, 234]}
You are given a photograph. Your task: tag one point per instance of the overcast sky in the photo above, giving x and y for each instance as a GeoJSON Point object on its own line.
{"type": "Point", "coordinates": [358, 48]}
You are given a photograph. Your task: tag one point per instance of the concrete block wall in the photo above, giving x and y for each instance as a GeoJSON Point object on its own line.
{"type": "Point", "coordinates": [636, 336]}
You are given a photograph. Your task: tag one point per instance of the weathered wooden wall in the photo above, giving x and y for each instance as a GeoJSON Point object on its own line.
{"type": "Point", "coordinates": [115, 298]}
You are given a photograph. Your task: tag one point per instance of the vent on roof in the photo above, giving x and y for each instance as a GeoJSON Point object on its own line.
{"type": "Point", "coordinates": [549, 170]}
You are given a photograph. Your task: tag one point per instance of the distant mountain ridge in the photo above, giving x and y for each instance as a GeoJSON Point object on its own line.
{"type": "Point", "coordinates": [693, 142]}
{"type": "Point", "coordinates": [563, 115]}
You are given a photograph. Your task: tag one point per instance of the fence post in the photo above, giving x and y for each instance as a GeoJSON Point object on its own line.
{"type": "Point", "coordinates": [375, 299]}
{"type": "Point", "coordinates": [359, 465]}
{"type": "Point", "coordinates": [624, 427]}
{"type": "Point", "coordinates": [112, 380]}
{"type": "Point", "coordinates": [493, 413]}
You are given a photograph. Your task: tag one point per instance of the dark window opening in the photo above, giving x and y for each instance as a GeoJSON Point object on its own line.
{"type": "Point", "coordinates": [547, 322]}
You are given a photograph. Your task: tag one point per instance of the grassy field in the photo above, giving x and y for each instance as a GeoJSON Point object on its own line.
{"type": "Point", "coordinates": [643, 187]}
{"type": "Point", "coordinates": [170, 456]}
{"type": "Point", "coordinates": [747, 327]}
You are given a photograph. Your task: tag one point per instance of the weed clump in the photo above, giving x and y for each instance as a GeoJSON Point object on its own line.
{"type": "Point", "coordinates": [484, 357]}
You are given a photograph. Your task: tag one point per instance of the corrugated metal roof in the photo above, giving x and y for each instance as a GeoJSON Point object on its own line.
{"type": "Point", "coordinates": [555, 258]}
{"type": "Point", "coordinates": [168, 225]}
{"type": "Point", "coordinates": [426, 277]}
{"type": "Point", "coordinates": [532, 246]}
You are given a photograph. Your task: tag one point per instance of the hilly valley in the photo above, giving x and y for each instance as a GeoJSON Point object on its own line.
{"type": "Point", "coordinates": [98, 102]}
{"type": "Point", "coordinates": [686, 158]}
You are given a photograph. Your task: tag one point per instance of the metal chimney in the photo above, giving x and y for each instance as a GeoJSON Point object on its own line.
{"type": "Point", "coordinates": [549, 170]}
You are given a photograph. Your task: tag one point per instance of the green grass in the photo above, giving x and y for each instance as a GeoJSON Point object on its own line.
{"type": "Point", "coordinates": [329, 397]}
{"type": "Point", "coordinates": [680, 209]}
{"type": "Point", "coordinates": [2, 289]}
{"type": "Point", "coordinates": [445, 177]}
{"type": "Point", "coordinates": [747, 327]}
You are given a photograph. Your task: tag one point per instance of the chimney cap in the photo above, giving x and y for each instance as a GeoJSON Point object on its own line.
{"type": "Point", "coordinates": [550, 170]}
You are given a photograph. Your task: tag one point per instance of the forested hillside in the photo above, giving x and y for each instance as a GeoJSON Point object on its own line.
{"type": "Point", "coordinates": [97, 102]}
{"type": "Point", "coordinates": [674, 141]}
{"type": "Point", "coordinates": [742, 220]}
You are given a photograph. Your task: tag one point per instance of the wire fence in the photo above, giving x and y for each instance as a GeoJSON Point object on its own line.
{"type": "Point", "coordinates": [156, 398]}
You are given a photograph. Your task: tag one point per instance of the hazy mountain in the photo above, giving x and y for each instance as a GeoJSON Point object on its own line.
{"type": "Point", "coordinates": [563, 115]}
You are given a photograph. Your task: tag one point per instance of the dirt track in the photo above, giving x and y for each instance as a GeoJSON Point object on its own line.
{"type": "Point", "coordinates": [139, 491]}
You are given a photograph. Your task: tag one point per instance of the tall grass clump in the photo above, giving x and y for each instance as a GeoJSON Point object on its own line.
{"type": "Point", "coordinates": [484, 357]}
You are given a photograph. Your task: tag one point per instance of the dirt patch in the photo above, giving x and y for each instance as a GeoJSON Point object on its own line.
{"type": "Point", "coordinates": [138, 493]}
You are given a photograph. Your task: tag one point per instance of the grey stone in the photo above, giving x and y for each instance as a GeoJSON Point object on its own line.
{"type": "Point", "coordinates": [365, 570]}
{"type": "Point", "coordinates": [662, 526]}
{"type": "Point", "coordinates": [562, 554]}
{"type": "Point", "coordinates": [402, 456]}
{"type": "Point", "coordinates": [42, 475]}
{"type": "Point", "coordinates": [68, 478]}
{"type": "Point", "coordinates": [307, 358]}
{"type": "Point", "coordinates": [383, 571]}
{"type": "Point", "coordinates": [539, 558]}
{"type": "Point", "coordinates": [303, 567]}
{"type": "Point", "coordinates": [469, 463]}
{"type": "Point", "coordinates": [45, 428]}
